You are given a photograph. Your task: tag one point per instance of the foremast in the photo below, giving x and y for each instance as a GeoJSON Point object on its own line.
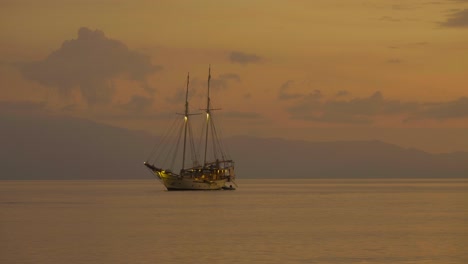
{"type": "Point", "coordinates": [186, 117]}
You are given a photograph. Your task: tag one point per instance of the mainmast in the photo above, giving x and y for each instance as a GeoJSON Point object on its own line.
{"type": "Point", "coordinates": [207, 114]}
{"type": "Point", "coordinates": [186, 114]}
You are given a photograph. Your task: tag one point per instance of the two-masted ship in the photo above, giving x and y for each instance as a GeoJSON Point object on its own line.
{"type": "Point", "coordinates": [216, 172]}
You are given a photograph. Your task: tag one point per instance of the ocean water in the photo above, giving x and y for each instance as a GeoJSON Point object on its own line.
{"type": "Point", "coordinates": [263, 221]}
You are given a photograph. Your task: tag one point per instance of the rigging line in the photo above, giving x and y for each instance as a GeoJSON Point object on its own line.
{"type": "Point", "coordinates": [213, 132]}
{"type": "Point", "coordinates": [166, 141]}
{"type": "Point", "coordinates": [224, 147]}
{"type": "Point", "coordinates": [193, 152]}
{"type": "Point", "coordinates": [154, 175]}
{"type": "Point", "coordinates": [216, 142]}
{"type": "Point", "coordinates": [177, 147]}
{"type": "Point", "coordinates": [169, 148]}
{"type": "Point", "coordinates": [159, 142]}
{"type": "Point", "coordinates": [213, 140]}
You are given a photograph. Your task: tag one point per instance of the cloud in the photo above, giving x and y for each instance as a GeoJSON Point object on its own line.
{"type": "Point", "coordinates": [458, 19]}
{"type": "Point", "coordinates": [21, 107]}
{"type": "Point", "coordinates": [230, 76]}
{"type": "Point", "coordinates": [223, 81]}
{"type": "Point", "coordinates": [356, 110]}
{"type": "Point", "coordinates": [198, 87]}
{"type": "Point", "coordinates": [69, 108]}
{"type": "Point", "coordinates": [394, 61]}
{"type": "Point", "coordinates": [149, 89]}
{"type": "Point", "coordinates": [315, 95]}
{"type": "Point", "coordinates": [342, 93]}
{"type": "Point", "coordinates": [178, 96]}
{"type": "Point", "coordinates": [421, 43]}
{"type": "Point", "coordinates": [243, 58]}
{"type": "Point", "coordinates": [404, 7]}
{"type": "Point", "coordinates": [283, 93]}
{"type": "Point", "coordinates": [443, 110]}
{"type": "Point", "coordinates": [242, 115]}
{"type": "Point", "coordinates": [138, 104]}
{"type": "Point", "coordinates": [365, 110]}
{"type": "Point", "coordinates": [390, 19]}
{"type": "Point", "coordinates": [89, 64]}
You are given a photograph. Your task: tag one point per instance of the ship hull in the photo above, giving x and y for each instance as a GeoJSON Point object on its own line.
{"type": "Point", "coordinates": [177, 183]}
{"type": "Point", "coordinates": [193, 185]}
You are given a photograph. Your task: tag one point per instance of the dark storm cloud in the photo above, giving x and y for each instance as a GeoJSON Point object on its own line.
{"type": "Point", "coordinates": [458, 19]}
{"type": "Point", "coordinates": [244, 58]}
{"type": "Point", "coordinates": [89, 64]}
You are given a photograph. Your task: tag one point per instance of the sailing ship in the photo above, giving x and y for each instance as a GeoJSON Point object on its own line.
{"type": "Point", "coordinates": [214, 173]}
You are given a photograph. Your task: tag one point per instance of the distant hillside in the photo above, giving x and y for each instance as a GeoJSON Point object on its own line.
{"type": "Point", "coordinates": [278, 158]}
{"type": "Point", "coordinates": [59, 148]}
{"type": "Point", "coordinates": [68, 148]}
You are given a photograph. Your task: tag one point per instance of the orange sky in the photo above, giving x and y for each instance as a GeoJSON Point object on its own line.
{"type": "Point", "coordinates": [315, 70]}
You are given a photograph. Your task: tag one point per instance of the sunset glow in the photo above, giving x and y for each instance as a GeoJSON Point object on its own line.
{"type": "Point", "coordinates": [394, 71]}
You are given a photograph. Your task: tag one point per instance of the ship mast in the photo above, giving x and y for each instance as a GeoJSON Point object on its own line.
{"type": "Point", "coordinates": [186, 114]}
{"type": "Point", "coordinates": [207, 114]}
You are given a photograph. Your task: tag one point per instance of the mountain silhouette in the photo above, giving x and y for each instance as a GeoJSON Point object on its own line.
{"type": "Point", "coordinates": [43, 147]}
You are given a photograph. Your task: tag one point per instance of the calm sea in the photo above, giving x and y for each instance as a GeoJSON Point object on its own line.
{"type": "Point", "coordinates": [263, 221]}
